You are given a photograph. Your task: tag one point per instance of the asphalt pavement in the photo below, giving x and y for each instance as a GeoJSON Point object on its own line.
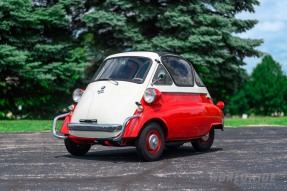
{"type": "Point", "coordinates": [247, 158]}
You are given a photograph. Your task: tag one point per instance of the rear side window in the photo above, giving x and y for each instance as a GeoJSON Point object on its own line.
{"type": "Point", "coordinates": [198, 80]}
{"type": "Point", "coordinates": [180, 70]}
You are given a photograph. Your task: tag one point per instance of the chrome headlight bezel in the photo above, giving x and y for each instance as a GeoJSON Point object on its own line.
{"type": "Point", "coordinates": [149, 95]}
{"type": "Point", "coordinates": [77, 94]}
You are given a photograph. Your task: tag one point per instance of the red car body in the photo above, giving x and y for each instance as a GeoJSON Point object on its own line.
{"type": "Point", "coordinates": [168, 110]}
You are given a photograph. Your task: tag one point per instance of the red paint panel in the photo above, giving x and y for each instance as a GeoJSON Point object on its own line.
{"type": "Point", "coordinates": [64, 129]}
{"type": "Point", "coordinates": [186, 115]}
{"type": "Point", "coordinates": [80, 140]}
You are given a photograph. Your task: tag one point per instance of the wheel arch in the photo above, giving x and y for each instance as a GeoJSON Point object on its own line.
{"type": "Point", "coordinates": [158, 121]}
{"type": "Point", "coordinates": [216, 126]}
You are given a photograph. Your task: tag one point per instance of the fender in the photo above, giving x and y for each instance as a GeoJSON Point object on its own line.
{"type": "Point", "coordinates": [135, 126]}
{"type": "Point", "coordinates": [160, 112]}
{"type": "Point", "coordinates": [64, 130]}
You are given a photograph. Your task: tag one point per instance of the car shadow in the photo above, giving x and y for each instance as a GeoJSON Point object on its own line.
{"type": "Point", "coordinates": [129, 154]}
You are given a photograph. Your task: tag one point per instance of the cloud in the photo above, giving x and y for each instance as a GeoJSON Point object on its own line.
{"type": "Point", "coordinates": [271, 28]}
{"type": "Point", "coordinates": [268, 26]}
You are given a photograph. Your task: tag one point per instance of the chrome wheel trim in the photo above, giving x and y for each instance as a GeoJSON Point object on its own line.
{"type": "Point", "coordinates": [153, 142]}
{"type": "Point", "coordinates": [205, 137]}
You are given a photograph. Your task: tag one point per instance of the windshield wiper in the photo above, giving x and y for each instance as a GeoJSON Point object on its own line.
{"type": "Point", "coordinates": [108, 79]}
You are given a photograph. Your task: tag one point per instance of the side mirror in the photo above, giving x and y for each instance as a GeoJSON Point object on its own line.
{"type": "Point", "coordinates": [220, 105]}
{"type": "Point", "coordinates": [161, 75]}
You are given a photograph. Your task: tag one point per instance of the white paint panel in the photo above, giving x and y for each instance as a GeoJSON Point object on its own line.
{"type": "Point", "coordinates": [117, 102]}
{"type": "Point", "coordinates": [113, 106]}
{"type": "Point", "coordinates": [151, 55]}
{"type": "Point", "coordinates": [174, 88]}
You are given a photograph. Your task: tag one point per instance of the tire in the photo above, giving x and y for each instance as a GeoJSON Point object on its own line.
{"type": "Point", "coordinates": [76, 149]}
{"type": "Point", "coordinates": [204, 143]}
{"type": "Point", "coordinates": [150, 143]}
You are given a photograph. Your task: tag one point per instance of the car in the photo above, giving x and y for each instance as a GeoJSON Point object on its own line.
{"type": "Point", "coordinates": [150, 100]}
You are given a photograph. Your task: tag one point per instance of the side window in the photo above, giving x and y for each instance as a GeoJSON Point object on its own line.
{"type": "Point", "coordinates": [180, 70]}
{"type": "Point", "coordinates": [198, 80]}
{"type": "Point", "coordinates": [166, 80]}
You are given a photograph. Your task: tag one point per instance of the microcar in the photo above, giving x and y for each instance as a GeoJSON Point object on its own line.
{"type": "Point", "coordinates": [149, 100]}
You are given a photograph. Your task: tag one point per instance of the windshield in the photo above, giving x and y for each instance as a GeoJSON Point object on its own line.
{"type": "Point", "coordinates": [132, 69]}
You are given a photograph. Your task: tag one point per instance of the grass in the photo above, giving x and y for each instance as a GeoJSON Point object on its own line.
{"type": "Point", "coordinates": [8, 126]}
{"type": "Point", "coordinates": [238, 122]}
{"type": "Point", "coordinates": [25, 125]}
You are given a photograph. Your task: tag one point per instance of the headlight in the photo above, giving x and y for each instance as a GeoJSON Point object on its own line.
{"type": "Point", "coordinates": [77, 94]}
{"type": "Point", "coordinates": [151, 95]}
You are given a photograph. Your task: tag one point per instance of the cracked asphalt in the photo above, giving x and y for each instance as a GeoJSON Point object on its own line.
{"type": "Point", "coordinates": [247, 158]}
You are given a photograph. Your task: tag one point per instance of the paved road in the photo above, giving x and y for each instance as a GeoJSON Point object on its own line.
{"type": "Point", "coordinates": [240, 159]}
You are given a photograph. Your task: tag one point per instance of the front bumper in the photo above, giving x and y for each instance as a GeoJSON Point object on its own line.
{"type": "Point", "coordinates": [59, 136]}
{"type": "Point", "coordinates": [98, 131]}
{"type": "Point", "coordinates": [112, 132]}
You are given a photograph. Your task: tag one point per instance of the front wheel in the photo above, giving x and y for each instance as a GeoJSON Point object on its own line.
{"type": "Point", "coordinates": [150, 143]}
{"type": "Point", "coordinates": [204, 143]}
{"type": "Point", "coordinates": [76, 149]}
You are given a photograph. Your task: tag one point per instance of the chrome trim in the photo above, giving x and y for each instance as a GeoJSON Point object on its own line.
{"type": "Point", "coordinates": [109, 128]}
{"type": "Point", "coordinates": [125, 123]}
{"type": "Point", "coordinates": [94, 127]}
{"type": "Point", "coordinates": [55, 126]}
{"type": "Point", "coordinates": [153, 142]}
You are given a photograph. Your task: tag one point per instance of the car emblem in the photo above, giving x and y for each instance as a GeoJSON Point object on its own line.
{"type": "Point", "coordinates": [101, 90]}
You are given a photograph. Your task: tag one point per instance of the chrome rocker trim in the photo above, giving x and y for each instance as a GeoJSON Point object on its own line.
{"type": "Point", "coordinates": [59, 136]}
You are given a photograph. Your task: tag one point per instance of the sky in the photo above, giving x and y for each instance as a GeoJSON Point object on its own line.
{"type": "Point", "coordinates": [272, 28]}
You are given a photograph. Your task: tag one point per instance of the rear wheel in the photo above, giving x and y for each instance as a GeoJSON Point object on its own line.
{"type": "Point", "coordinates": [76, 149]}
{"type": "Point", "coordinates": [204, 143]}
{"type": "Point", "coordinates": [150, 143]}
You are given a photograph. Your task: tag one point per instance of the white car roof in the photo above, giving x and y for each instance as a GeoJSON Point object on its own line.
{"type": "Point", "coordinates": [135, 53]}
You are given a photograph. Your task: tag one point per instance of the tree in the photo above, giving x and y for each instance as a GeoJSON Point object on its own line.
{"type": "Point", "coordinates": [39, 58]}
{"type": "Point", "coordinates": [267, 87]}
{"type": "Point", "coordinates": [202, 31]}
{"type": "Point", "coordinates": [239, 102]}
{"type": "Point", "coordinates": [45, 44]}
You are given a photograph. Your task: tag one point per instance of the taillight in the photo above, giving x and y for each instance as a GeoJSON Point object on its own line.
{"type": "Point", "coordinates": [220, 105]}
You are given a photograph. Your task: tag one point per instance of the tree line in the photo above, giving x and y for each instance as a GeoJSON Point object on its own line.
{"type": "Point", "coordinates": [264, 92]}
{"type": "Point", "coordinates": [49, 47]}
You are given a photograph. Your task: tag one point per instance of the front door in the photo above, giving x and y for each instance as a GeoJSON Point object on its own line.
{"type": "Point", "coordinates": [184, 109]}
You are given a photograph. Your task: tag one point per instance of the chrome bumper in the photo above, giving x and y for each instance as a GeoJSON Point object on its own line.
{"type": "Point", "coordinates": [114, 132]}
{"type": "Point", "coordinates": [94, 127]}
{"type": "Point", "coordinates": [59, 136]}
{"type": "Point", "coordinates": [125, 123]}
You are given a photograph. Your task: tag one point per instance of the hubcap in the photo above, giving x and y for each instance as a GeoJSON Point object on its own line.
{"type": "Point", "coordinates": [153, 142]}
{"type": "Point", "coordinates": [205, 137]}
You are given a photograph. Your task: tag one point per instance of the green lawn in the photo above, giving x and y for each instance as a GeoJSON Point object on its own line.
{"type": "Point", "coordinates": [25, 125]}
{"type": "Point", "coordinates": [46, 125]}
{"type": "Point", "coordinates": [237, 122]}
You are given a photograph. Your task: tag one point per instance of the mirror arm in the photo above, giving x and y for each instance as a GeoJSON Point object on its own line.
{"type": "Point", "coordinates": [156, 81]}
